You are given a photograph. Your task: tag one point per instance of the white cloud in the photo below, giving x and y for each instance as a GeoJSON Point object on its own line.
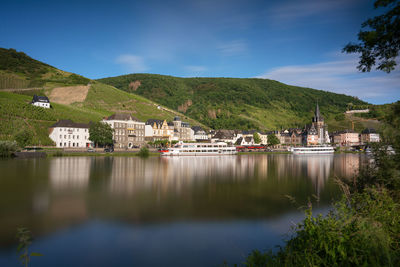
{"type": "Point", "coordinates": [232, 48]}
{"type": "Point", "coordinates": [132, 63]}
{"type": "Point", "coordinates": [341, 76]}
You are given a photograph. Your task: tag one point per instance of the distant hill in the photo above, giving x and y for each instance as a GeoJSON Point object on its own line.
{"type": "Point", "coordinates": [235, 103]}
{"type": "Point", "coordinates": [72, 97]}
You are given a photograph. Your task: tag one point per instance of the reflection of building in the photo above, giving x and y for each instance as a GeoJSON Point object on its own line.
{"type": "Point", "coordinates": [66, 133]}
{"type": "Point", "coordinates": [70, 172]}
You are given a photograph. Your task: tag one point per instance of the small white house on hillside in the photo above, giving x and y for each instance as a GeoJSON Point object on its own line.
{"type": "Point", "coordinates": [41, 101]}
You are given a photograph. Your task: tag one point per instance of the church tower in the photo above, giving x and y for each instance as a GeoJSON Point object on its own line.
{"type": "Point", "coordinates": [318, 123]}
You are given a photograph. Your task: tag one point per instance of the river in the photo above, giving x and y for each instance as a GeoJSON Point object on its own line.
{"type": "Point", "coordinates": [159, 211]}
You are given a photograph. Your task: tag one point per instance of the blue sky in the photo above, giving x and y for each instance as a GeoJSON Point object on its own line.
{"type": "Point", "coordinates": [297, 42]}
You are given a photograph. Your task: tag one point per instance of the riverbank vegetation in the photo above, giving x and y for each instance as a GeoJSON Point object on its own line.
{"type": "Point", "coordinates": [7, 149]}
{"type": "Point", "coordinates": [363, 228]}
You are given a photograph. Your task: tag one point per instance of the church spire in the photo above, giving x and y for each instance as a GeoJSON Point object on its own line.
{"type": "Point", "coordinates": [317, 114]}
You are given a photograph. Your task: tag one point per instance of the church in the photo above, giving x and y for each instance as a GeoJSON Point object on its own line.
{"type": "Point", "coordinates": [317, 132]}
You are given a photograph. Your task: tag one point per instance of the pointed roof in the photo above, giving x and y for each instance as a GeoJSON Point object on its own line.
{"type": "Point", "coordinates": [317, 114]}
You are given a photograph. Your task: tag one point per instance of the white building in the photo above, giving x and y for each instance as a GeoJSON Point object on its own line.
{"type": "Point", "coordinates": [199, 133]}
{"type": "Point", "coordinates": [41, 101]}
{"type": "Point", "coordinates": [66, 133]}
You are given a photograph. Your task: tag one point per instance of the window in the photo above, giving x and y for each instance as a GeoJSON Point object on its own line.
{"type": "Point", "coordinates": [60, 136]}
{"type": "Point", "coordinates": [60, 144]}
{"type": "Point", "coordinates": [65, 137]}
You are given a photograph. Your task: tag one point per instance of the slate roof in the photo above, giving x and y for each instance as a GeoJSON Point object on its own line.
{"type": "Point", "coordinates": [197, 129]}
{"type": "Point", "coordinates": [69, 124]}
{"type": "Point", "coordinates": [156, 121]}
{"type": "Point", "coordinates": [368, 131]}
{"type": "Point", "coordinates": [42, 99]}
{"type": "Point", "coordinates": [225, 134]}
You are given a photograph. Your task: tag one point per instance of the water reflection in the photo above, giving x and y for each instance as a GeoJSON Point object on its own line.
{"type": "Point", "coordinates": [54, 193]}
{"type": "Point", "coordinates": [126, 175]}
{"type": "Point", "coordinates": [69, 173]}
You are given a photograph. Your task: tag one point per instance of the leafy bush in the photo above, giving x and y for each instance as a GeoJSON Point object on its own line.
{"type": "Point", "coordinates": [24, 138]}
{"type": "Point", "coordinates": [7, 148]}
{"type": "Point", "coordinates": [144, 152]}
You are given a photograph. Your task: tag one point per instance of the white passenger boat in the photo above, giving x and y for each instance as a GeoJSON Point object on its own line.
{"type": "Point", "coordinates": [199, 149]}
{"type": "Point", "coordinates": [312, 150]}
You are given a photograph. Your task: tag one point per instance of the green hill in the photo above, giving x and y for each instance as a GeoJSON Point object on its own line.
{"type": "Point", "coordinates": [238, 103]}
{"type": "Point", "coordinates": [94, 102]}
{"type": "Point", "coordinates": [17, 70]}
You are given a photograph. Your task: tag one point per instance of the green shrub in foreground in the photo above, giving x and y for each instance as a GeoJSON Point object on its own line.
{"type": "Point", "coordinates": [363, 230]}
{"type": "Point", "coordinates": [7, 148]}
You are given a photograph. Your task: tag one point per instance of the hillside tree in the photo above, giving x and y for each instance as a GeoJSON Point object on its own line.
{"type": "Point", "coordinates": [256, 138]}
{"type": "Point", "coordinates": [273, 140]}
{"type": "Point", "coordinates": [380, 41]}
{"type": "Point", "coordinates": [101, 134]}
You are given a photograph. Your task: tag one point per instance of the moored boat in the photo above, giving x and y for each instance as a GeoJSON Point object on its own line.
{"type": "Point", "coordinates": [312, 150]}
{"type": "Point", "coordinates": [199, 149]}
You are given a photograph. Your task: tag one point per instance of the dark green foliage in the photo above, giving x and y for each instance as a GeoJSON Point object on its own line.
{"type": "Point", "coordinates": [256, 138]}
{"type": "Point", "coordinates": [7, 148]}
{"type": "Point", "coordinates": [233, 103]}
{"type": "Point", "coordinates": [380, 43]}
{"type": "Point", "coordinates": [272, 140]}
{"type": "Point", "coordinates": [340, 117]}
{"type": "Point", "coordinates": [101, 134]}
{"type": "Point", "coordinates": [144, 152]}
{"type": "Point", "coordinates": [19, 62]}
{"type": "Point", "coordinates": [24, 237]}
{"type": "Point", "coordinates": [24, 138]}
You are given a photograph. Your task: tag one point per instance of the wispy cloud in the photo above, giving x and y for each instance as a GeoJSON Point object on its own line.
{"type": "Point", "coordinates": [132, 63]}
{"type": "Point", "coordinates": [341, 76]}
{"type": "Point", "coordinates": [293, 10]}
{"type": "Point", "coordinates": [233, 48]}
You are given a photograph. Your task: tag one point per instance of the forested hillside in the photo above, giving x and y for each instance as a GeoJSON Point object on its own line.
{"type": "Point", "coordinates": [237, 103]}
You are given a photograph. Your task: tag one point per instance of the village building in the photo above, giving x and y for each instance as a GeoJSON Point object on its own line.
{"type": "Point", "coordinates": [346, 138]}
{"type": "Point", "coordinates": [227, 136]}
{"type": "Point", "coordinates": [129, 132]}
{"type": "Point", "coordinates": [160, 130]}
{"type": "Point", "coordinates": [245, 141]}
{"type": "Point", "coordinates": [66, 133]}
{"type": "Point", "coordinates": [199, 133]}
{"type": "Point", "coordinates": [311, 136]}
{"type": "Point", "coordinates": [369, 135]}
{"type": "Point", "coordinates": [264, 138]}
{"type": "Point", "coordinates": [183, 130]}
{"type": "Point", "coordinates": [41, 101]}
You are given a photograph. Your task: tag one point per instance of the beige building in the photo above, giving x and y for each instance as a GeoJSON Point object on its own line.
{"type": "Point", "coordinates": [161, 130]}
{"type": "Point", "coordinates": [346, 138]}
{"type": "Point", "coordinates": [369, 135]}
{"type": "Point", "coordinates": [129, 132]}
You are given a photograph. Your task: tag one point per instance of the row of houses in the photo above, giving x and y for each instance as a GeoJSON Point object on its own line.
{"type": "Point", "coordinates": [129, 132]}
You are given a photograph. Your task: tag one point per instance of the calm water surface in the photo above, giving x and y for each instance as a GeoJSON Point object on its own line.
{"type": "Point", "coordinates": [181, 211]}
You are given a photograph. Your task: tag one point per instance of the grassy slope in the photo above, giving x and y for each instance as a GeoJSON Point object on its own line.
{"type": "Point", "coordinates": [238, 103]}
{"type": "Point", "coordinates": [17, 70]}
{"type": "Point", "coordinates": [17, 114]}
